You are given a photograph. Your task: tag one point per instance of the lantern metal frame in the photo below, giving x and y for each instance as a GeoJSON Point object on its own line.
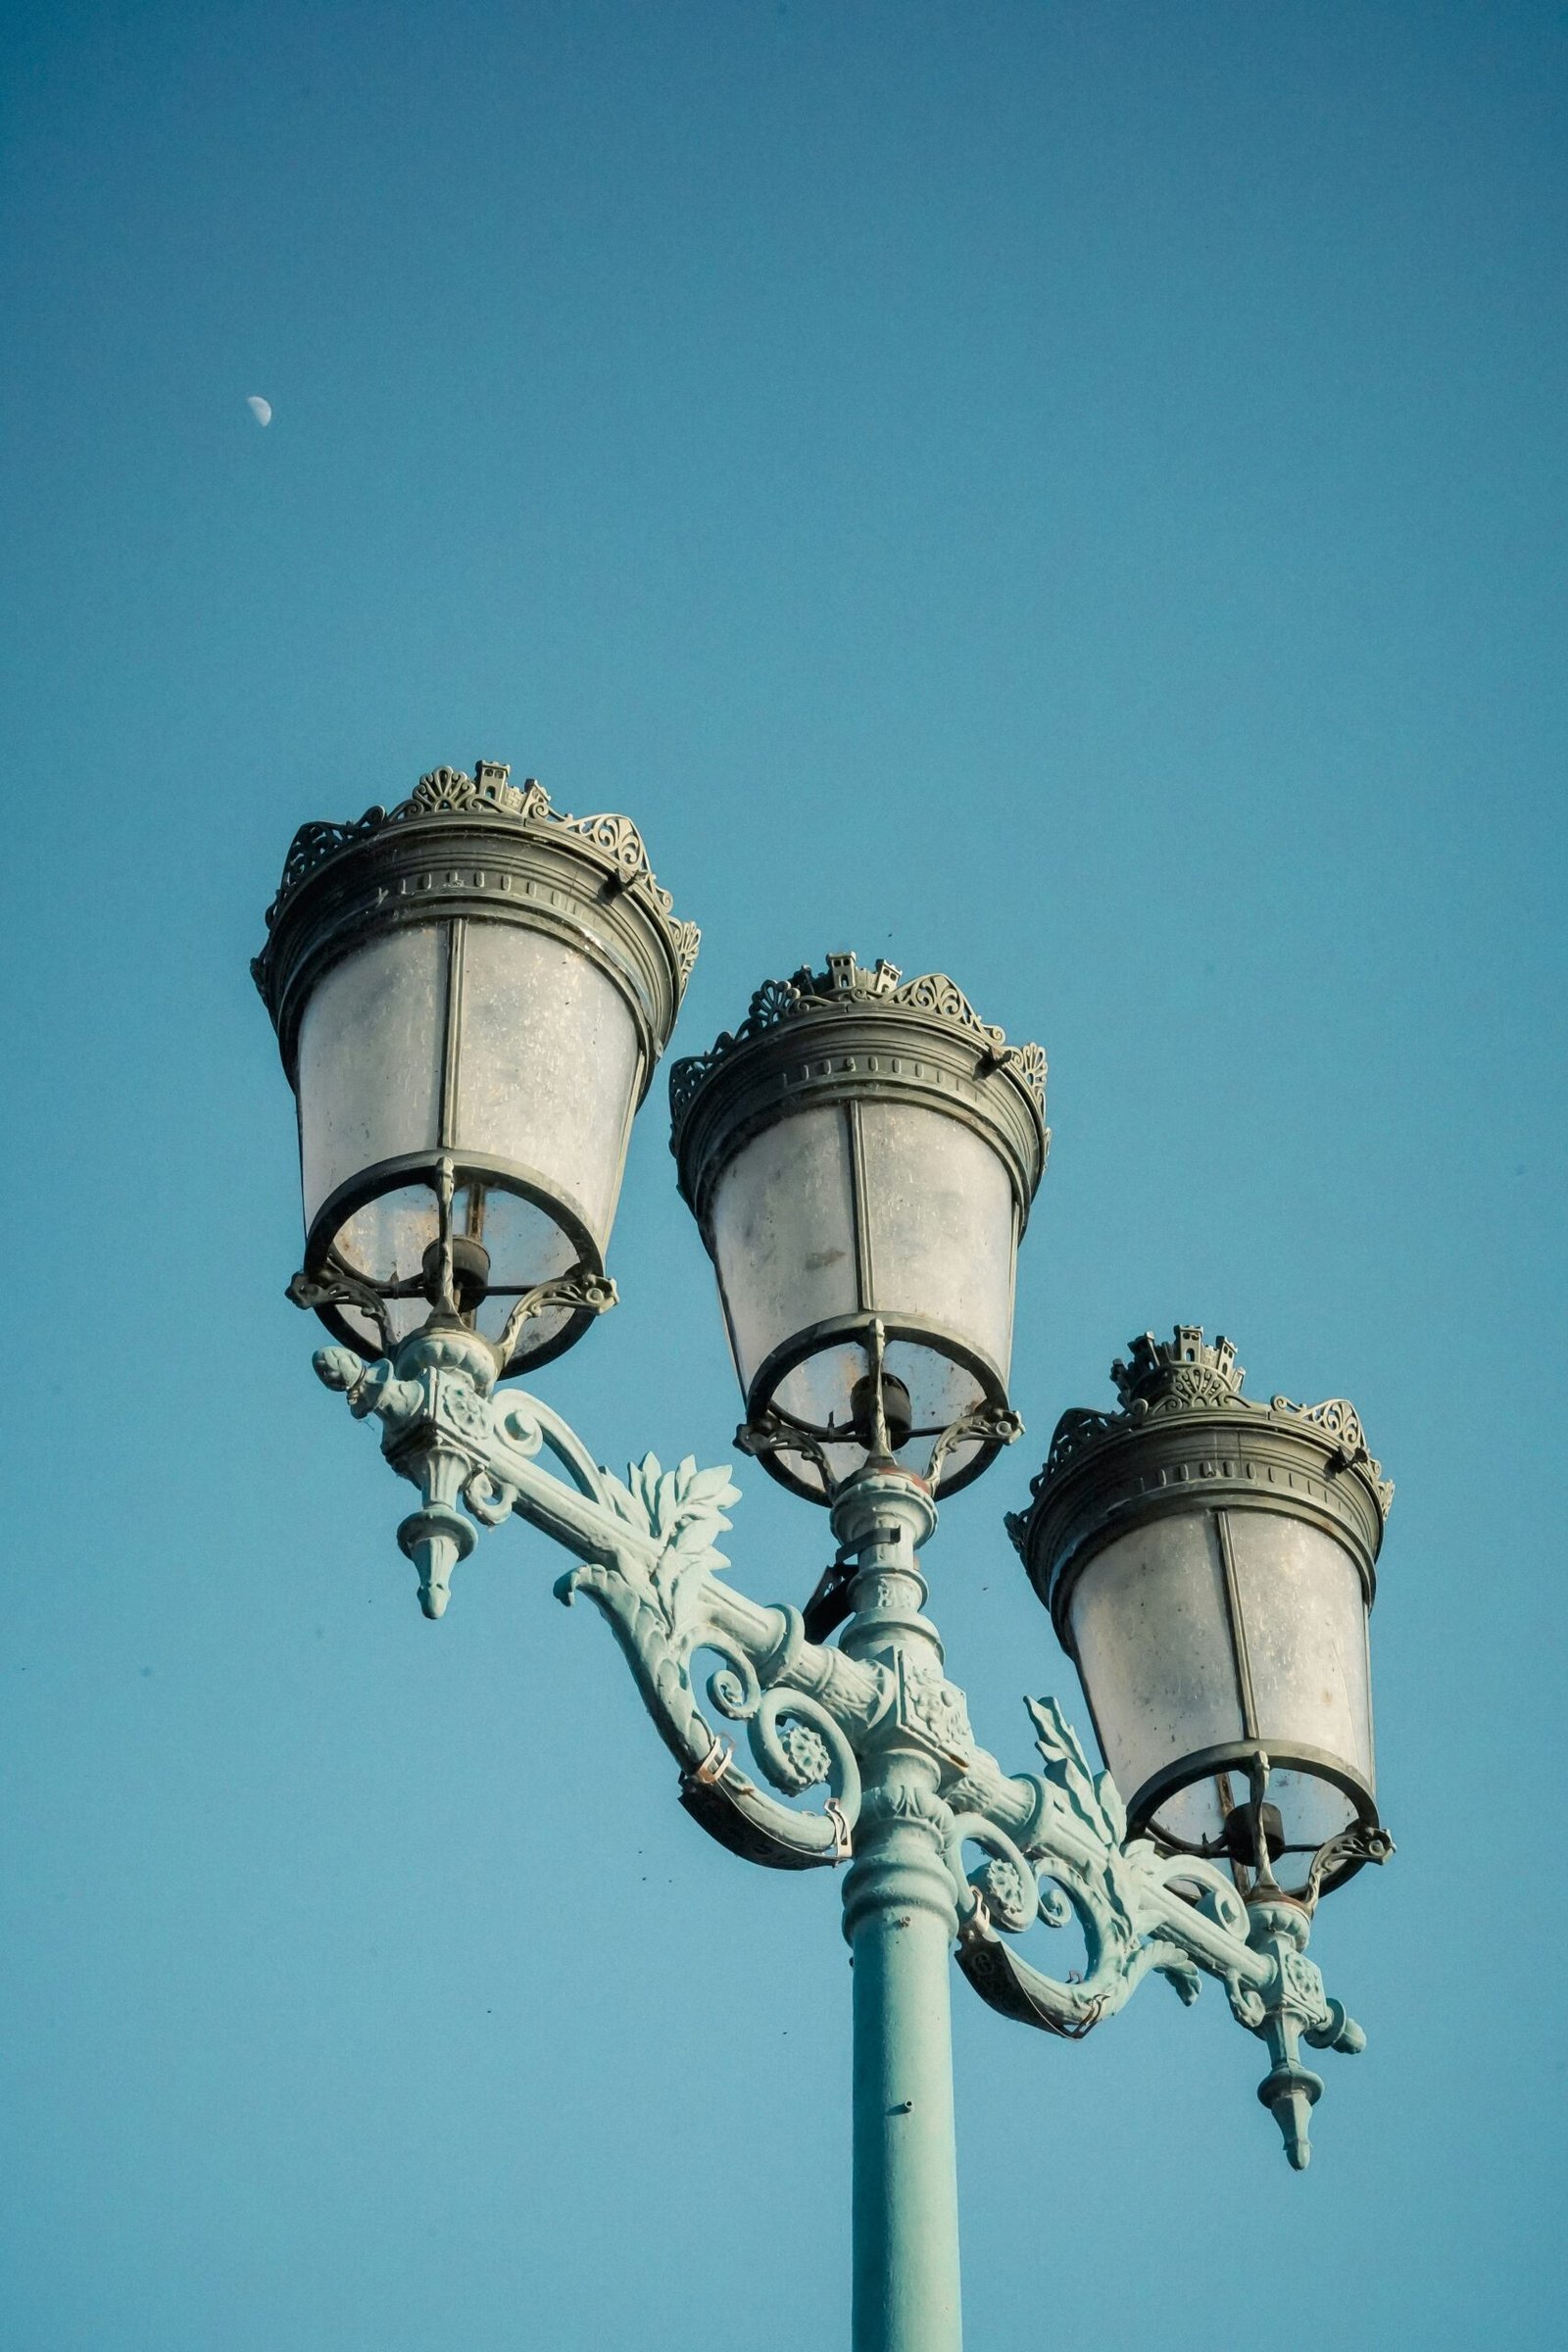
{"type": "Point", "coordinates": [835, 1040]}
{"type": "Point", "coordinates": [1187, 1442]}
{"type": "Point", "coordinates": [463, 849]}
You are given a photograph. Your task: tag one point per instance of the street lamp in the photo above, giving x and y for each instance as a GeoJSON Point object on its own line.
{"type": "Point", "coordinates": [471, 991]}
{"type": "Point", "coordinates": [1208, 1563]}
{"type": "Point", "coordinates": [860, 1154]}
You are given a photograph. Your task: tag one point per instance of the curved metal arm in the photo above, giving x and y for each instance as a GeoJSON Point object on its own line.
{"type": "Point", "coordinates": [1056, 1848]}
{"type": "Point", "coordinates": [1053, 1846]}
{"type": "Point", "coordinates": [649, 1562]}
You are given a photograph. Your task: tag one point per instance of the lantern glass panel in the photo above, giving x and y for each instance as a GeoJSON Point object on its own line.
{"type": "Point", "coordinates": [549, 1067]}
{"type": "Point", "coordinates": [1151, 1634]}
{"type": "Point", "coordinates": [1311, 1810]}
{"type": "Point", "coordinates": [783, 1225]}
{"type": "Point", "coordinates": [1195, 1815]}
{"type": "Point", "coordinates": [370, 1070]}
{"type": "Point", "coordinates": [937, 1248]}
{"type": "Point", "coordinates": [547, 1072]}
{"type": "Point", "coordinates": [940, 1212]}
{"type": "Point", "coordinates": [1305, 1617]}
{"type": "Point", "coordinates": [390, 1236]}
{"type": "Point", "coordinates": [526, 1247]}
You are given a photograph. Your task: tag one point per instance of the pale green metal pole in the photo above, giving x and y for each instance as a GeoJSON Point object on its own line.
{"type": "Point", "coordinates": [900, 1919]}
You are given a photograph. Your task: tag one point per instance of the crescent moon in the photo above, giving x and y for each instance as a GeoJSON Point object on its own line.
{"type": "Point", "coordinates": [260, 409]}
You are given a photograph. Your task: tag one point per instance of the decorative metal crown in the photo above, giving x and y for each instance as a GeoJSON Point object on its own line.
{"type": "Point", "coordinates": [489, 791]}
{"type": "Point", "coordinates": [844, 985]}
{"type": "Point", "coordinates": [1162, 1378]}
{"type": "Point", "coordinates": [1185, 1366]}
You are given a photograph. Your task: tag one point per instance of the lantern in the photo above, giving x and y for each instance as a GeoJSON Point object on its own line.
{"type": "Point", "coordinates": [471, 993]}
{"type": "Point", "coordinates": [1208, 1562]}
{"type": "Point", "coordinates": [861, 1157]}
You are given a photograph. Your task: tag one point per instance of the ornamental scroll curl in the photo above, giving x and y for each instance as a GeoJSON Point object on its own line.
{"type": "Point", "coordinates": [1071, 1863]}
{"type": "Point", "coordinates": [1142, 1912]}
{"type": "Point", "coordinates": [1336, 1417]}
{"type": "Point", "coordinates": [656, 1593]}
{"type": "Point", "coordinates": [659, 1614]}
{"type": "Point", "coordinates": [648, 1561]}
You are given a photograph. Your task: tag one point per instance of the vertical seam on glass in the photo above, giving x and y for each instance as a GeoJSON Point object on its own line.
{"type": "Point", "coordinates": [1005, 1369]}
{"type": "Point", "coordinates": [1232, 1610]}
{"type": "Point", "coordinates": [633, 1102]}
{"type": "Point", "coordinates": [451, 1043]}
{"type": "Point", "coordinates": [859, 1211]}
{"type": "Point", "coordinates": [710, 1234]}
{"type": "Point", "coordinates": [734, 1344]}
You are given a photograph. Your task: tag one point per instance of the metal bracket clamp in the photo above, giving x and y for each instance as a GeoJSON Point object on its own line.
{"type": "Point", "coordinates": [829, 1604]}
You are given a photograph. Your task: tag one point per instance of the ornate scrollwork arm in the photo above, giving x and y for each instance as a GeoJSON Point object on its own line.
{"type": "Point", "coordinates": [1091, 1880]}
{"type": "Point", "coordinates": [1021, 1851]}
{"type": "Point", "coordinates": [662, 1615]}
{"type": "Point", "coordinates": [1359, 1843]}
{"type": "Point", "coordinates": [990, 1424]}
{"type": "Point", "coordinates": [647, 1556]}
{"type": "Point", "coordinates": [1055, 1848]}
{"type": "Point", "coordinates": [772, 1433]}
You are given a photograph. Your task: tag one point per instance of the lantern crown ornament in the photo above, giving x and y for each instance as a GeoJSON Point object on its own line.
{"type": "Point", "coordinates": [612, 850]}
{"type": "Point", "coordinates": [843, 988]}
{"type": "Point", "coordinates": [471, 991]}
{"type": "Point", "coordinates": [1209, 1563]}
{"type": "Point", "coordinates": [860, 1154]}
{"type": "Point", "coordinates": [1182, 1367]}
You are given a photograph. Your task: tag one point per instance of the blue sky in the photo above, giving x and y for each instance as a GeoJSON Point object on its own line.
{"type": "Point", "coordinates": [1070, 495]}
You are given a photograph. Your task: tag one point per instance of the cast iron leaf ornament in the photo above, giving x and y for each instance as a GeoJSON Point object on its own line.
{"type": "Point", "coordinates": [1096, 1802]}
{"type": "Point", "coordinates": [683, 1510]}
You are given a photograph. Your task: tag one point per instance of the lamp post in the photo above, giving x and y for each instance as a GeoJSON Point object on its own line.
{"type": "Point", "coordinates": [469, 994]}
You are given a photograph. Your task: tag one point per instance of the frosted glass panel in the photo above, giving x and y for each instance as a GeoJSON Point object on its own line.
{"type": "Point", "coordinates": [1195, 1815]}
{"type": "Point", "coordinates": [940, 1205]}
{"type": "Point", "coordinates": [549, 1064]}
{"type": "Point", "coordinates": [524, 1242]}
{"type": "Point", "coordinates": [1305, 1623]}
{"type": "Point", "coordinates": [388, 1237]}
{"type": "Point", "coordinates": [370, 1060]}
{"type": "Point", "coordinates": [819, 1389]}
{"type": "Point", "coordinates": [1311, 1811]}
{"type": "Point", "coordinates": [1151, 1634]}
{"type": "Point", "coordinates": [387, 1240]}
{"type": "Point", "coordinates": [784, 1236]}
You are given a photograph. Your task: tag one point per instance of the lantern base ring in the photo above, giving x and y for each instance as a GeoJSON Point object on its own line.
{"type": "Point", "coordinates": [1337, 1859]}
{"type": "Point", "coordinates": [329, 1271]}
{"type": "Point", "coordinates": [771, 1432]}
